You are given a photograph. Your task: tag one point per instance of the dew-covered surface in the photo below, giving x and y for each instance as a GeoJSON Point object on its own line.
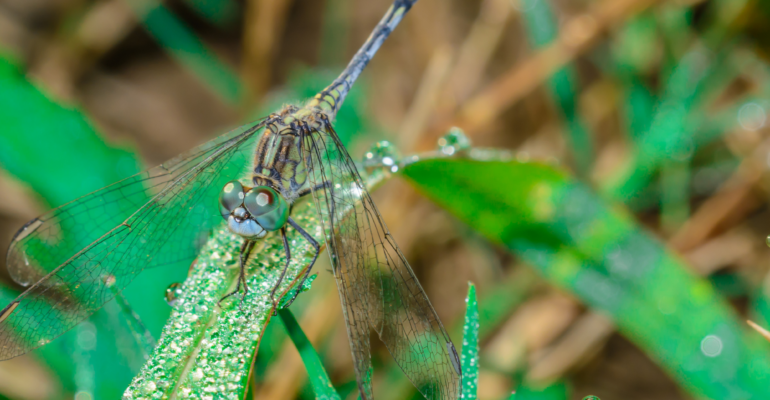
{"type": "Point", "coordinates": [206, 350]}
{"type": "Point", "coordinates": [469, 358]}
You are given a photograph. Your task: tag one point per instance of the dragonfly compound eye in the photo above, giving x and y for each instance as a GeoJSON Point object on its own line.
{"type": "Point", "coordinates": [267, 207]}
{"type": "Point", "coordinates": [231, 198]}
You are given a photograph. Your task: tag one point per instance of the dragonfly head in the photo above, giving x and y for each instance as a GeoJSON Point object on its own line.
{"type": "Point", "coordinates": [251, 213]}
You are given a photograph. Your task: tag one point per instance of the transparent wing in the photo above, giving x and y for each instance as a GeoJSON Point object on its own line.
{"type": "Point", "coordinates": [377, 287]}
{"type": "Point", "coordinates": [84, 252]}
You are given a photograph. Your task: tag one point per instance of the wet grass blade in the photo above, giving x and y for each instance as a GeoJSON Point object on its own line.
{"type": "Point", "coordinates": [470, 350]}
{"type": "Point", "coordinates": [496, 304]}
{"type": "Point", "coordinates": [319, 379]}
{"type": "Point", "coordinates": [554, 391]}
{"type": "Point", "coordinates": [596, 250]}
{"type": "Point", "coordinates": [209, 348]}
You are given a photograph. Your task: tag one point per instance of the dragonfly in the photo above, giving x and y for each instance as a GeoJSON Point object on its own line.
{"type": "Point", "coordinates": [77, 257]}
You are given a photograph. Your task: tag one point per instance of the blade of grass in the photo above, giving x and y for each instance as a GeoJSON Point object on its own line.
{"type": "Point", "coordinates": [319, 379]}
{"type": "Point", "coordinates": [496, 304]}
{"type": "Point", "coordinates": [207, 347]}
{"type": "Point", "coordinates": [469, 359]}
{"type": "Point", "coordinates": [594, 249]}
{"type": "Point", "coordinates": [219, 12]}
{"type": "Point", "coordinates": [555, 391]}
{"type": "Point", "coordinates": [182, 44]}
{"type": "Point", "coordinates": [542, 30]}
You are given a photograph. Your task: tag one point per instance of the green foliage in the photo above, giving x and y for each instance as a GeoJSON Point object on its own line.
{"type": "Point", "coordinates": [469, 359]}
{"type": "Point", "coordinates": [47, 151]}
{"type": "Point", "coordinates": [60, 156]}
{"type": "Point", "coordinates": [555, 391]}
{"type": "Point", "coordinates": [594, 249]}
{"type": "Point", "coordinates": [181, 43]}
{"type": "Point", "coordinates": [319, 379]}
{"type": "Point", "coordinates": [208, 346]}
{"type": "Point", "coordinates": [219, 12]}
{"type": "Point", "coordinates": [542, 29]}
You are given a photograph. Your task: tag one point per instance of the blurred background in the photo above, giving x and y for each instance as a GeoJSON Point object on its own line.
{"type": "Point", "coordinates": [658, 108]}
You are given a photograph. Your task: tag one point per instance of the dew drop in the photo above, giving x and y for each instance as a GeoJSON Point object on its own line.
{"type": "Point", "coordinates": [173, 293]}
{"type": "Point", "coordinates": [384, 155]}
{"type": "Point", "coordinates": [454, 142]}
{"type": "Point", "coordinates": [197, 375]}
{"type": "Point", "coordinates": [711, 346]}
{"type": "Point", "coordinates": [148, 387]}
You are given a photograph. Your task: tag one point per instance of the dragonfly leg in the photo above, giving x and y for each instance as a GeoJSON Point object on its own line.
{"type": "Point", "coordinates": [283, 273]}
{"type": "Point", "coordinates": [317, 247]}
{"type": "Point", "coordinates": [246, 248]}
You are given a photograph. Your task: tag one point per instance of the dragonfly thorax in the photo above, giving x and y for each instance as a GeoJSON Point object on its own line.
{"type": "Point", "coordinates": [252, 212]}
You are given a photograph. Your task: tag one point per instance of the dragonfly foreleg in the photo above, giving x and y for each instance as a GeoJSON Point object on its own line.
{"type": "Point", "coordinates": [317, 247]}
{"type": "Point", "coordinates": [246, 248]}
{"type": "Point", "coordinates": [283, 273]}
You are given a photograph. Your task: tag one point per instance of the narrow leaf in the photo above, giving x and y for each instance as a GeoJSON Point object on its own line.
{"type": "Point", "coordinates": [319, 379]}
{"type": "Point", "coordinates": [579, 242]}
{"type": "Point", "coordinates": [470, 351]}
{"type": "Point", "coordinates": [208, 347]}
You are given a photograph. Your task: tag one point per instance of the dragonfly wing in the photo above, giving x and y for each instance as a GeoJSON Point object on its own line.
{"type": "Point", "coordinates": [377, 287]}
{"type": "Point", "coordinates": [84, 252]}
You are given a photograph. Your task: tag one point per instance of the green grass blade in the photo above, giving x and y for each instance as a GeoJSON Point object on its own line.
{"type": "Point", "coordinates": [542, 29]}
{"type": "Point", "coordinates": [554, 391]}
{"type": "Point", "coordinates": [219, 12]}
{"type": "Point", "coordinates": [497, 303]}
{"type": "Point", "coordinates": [182, 44]}
{"type": "Point", "coordinates": [470, 350]}
{"type": "Point", "coordinates": [319, 379]}
{"type": "Point", "coordinates": [594, 249]}
{"type": "Point", "coordinates": [208, 348]}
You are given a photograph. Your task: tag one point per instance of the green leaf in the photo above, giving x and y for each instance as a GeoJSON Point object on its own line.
{"type": "Point", "coordinates": [555, 391]}
{"type": "Point", "coordinates": [207, 347]}
{"type": "Point", "coordinates": [319, 379]}
{"type": "Point", "coordinates": [58, 152]}
{"type": "Point", "coordinates": [596, 250]}
{"type": "Point", "coordinates": [470, 350]}
{"type": "Point", "coordinates": [218, 12]}
{"type": "Point", "coordinates": [60, 155]}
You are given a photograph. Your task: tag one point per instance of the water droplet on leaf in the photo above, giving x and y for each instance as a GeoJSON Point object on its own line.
{"type": "Point", "coordinates": [454, 142]}
{"type": "Point", "coordinates": [382, 154]}
{"type": "Point", "coordinates": [173, 292]}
